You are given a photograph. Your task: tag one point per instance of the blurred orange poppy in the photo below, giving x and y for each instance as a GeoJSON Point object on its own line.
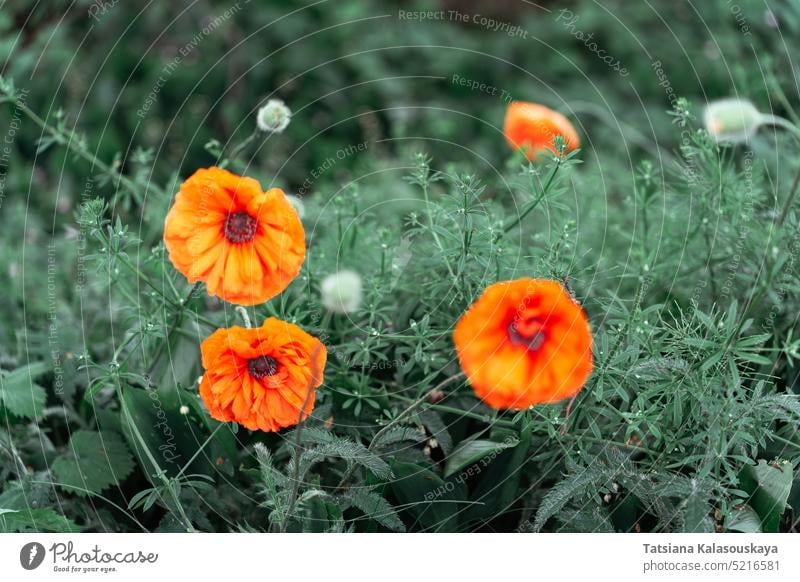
{"type": "Point", "coordinates": [245, 244]}
{"type": "Point", "coordinates": [261, 377]}
{"type": "Point", "coordinates": [532, 128]}
{"type": "Point", "coordinates": [524, 342]}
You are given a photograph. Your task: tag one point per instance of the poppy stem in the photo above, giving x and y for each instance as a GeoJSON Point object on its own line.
{"type": "Point", "coordinates": [298, 443]}
{"type": "Point", "coordinates": [175, 325]}
{"type": "Point", "coordinates": [234, 155]}
{"type": "Point", "coordinates": [245, 317]}
{"type": "Point", "coordinates": [532, 206]}
{"type": "Point", "coordinates": [566, 415]}
{"type": "Point", "coordinates": [789, 199]}
{"type": "Point", "coordinates": [199, 450]}
{"type": "Point", "coordinates": [433, 232]}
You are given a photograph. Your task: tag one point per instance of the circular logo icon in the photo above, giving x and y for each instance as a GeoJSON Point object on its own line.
{"type": "Point", "coordinates": [31, 555]}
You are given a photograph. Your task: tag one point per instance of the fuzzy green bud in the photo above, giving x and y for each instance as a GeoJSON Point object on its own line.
{"type": "Point", "coordinates": [732, 120]}
{"type": "Point", "coordinates": [341, 292]}
{"type": "Point", "coordinates": [273, 117]}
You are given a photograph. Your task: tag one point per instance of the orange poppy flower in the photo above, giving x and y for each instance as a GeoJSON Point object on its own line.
{"type": "Point", "coordinates": [524, 342]}
{"type": "Point", "coordinates": [260, 377]}
{"type": "Point", "coordinates": [532, 127]}
{"type": "Point", "coordinates": [245, 244]}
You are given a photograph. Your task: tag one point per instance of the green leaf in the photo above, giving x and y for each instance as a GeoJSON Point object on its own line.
{"type": "Point", "coordinates": [769, 485]}
{"type": "Point", "coordinates": [476, 451]}
{"type": "Point", "coordinates": [434, 423]}
{"type": "Point", "coordinates": [375, 507]}
{"type": "Point", "coordinates": [42, 519]}
{"type": "Point", "coordinates": [319, 512]}
{"type": "Point", "coordinates": [19, 394]}
{"type": "Point", "coordinates": [567, 489]}
{"type": "Point", "coordinates": [93, 461]}
{"type": "Point", "coordinates": [347, 450]}
{"type": "Point", "coordinates": [745, 520]}
{"type": "Point", "coordinates": [171, 437]}
{"type": "Point", "coordinates": [430, 502]}
{"type": "Point", "coordinates": [400, 434]}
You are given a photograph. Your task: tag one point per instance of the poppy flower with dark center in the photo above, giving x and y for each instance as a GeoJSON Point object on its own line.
{"type": "Point", "coordinates": [247, 245]}
{"type": "Point", "coordinates": [263, 377]}
{"type": "Point", "coordinates": [524, 342]}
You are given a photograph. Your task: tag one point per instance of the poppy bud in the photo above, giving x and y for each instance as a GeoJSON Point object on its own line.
{"type": "Point", "coordinates": [273, 117]}
{"type": "Point", "coordinates": [341, 292]}
{"type": "Point", "coordinates": [732, 120]}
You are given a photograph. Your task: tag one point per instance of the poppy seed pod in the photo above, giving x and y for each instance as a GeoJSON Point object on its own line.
{"type": "Point", "coordinates": [341, 292]}
{"type": "Point", "coordinates": [273, 117]}
{"type": "Point", "coordinates": [732, 120]}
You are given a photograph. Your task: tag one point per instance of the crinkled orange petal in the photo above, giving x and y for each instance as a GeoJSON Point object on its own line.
{"type": "Point", "coordinates": [510, 371]}
{"type": "Point", "coordinates": [271, 402]}
{"type": "Point", "coordinates": [245, 272]}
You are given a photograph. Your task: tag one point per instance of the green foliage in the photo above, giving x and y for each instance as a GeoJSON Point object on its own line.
{"type": "Point", "coordinates": [34, 520]}
{"type": "Point", "coordinates": [682, 252]}
{"type": "Point", "coordinates": [19, 394]}
{"type": "Point", "coordinates": [769, 485]}
{"type": "Point", "coordinates": [94, 461]}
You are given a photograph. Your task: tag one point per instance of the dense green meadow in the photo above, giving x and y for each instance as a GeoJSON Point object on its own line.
{"type": "Point", "coordinates": [681, 250]}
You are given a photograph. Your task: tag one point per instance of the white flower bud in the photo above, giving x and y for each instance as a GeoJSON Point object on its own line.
{"type": "Point", "coordinates": [273, 117]}
{"type": "Point", "coordinates": [184, 410]}
{"type": "Point", "coordinates": [732, 120]}
{"type": "Point", "coordinates": [297, 204]}
{"type": "Point", "coordinates": [341, 292]}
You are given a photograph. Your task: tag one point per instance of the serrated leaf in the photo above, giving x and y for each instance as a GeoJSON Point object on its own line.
{"type": "Point", "coordinates": [375, 507]}
{"type": "Point", "coordinates": [93, 461]}
{"type": "Point", "coordinates": [44, 519]}
{"type": "Point", "coordinates": [565, 490]}
{"type": "Point", "coordinates": [400, 434]}
{"type": "Point", "coordinates": [19, 394]}
{"type": "Point", "coordinates": [347, 450]}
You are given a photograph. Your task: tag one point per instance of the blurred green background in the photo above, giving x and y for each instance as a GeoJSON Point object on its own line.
{"type": "Point", "coordinates": [151, 85]}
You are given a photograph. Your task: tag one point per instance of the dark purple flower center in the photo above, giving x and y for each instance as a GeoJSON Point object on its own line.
{"type": "Point", "coordinates": [531, 341]}
{"type": "Point", "coordinates": [262, 366]}
{"type": "Point", "coordinates": [240, 227]}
